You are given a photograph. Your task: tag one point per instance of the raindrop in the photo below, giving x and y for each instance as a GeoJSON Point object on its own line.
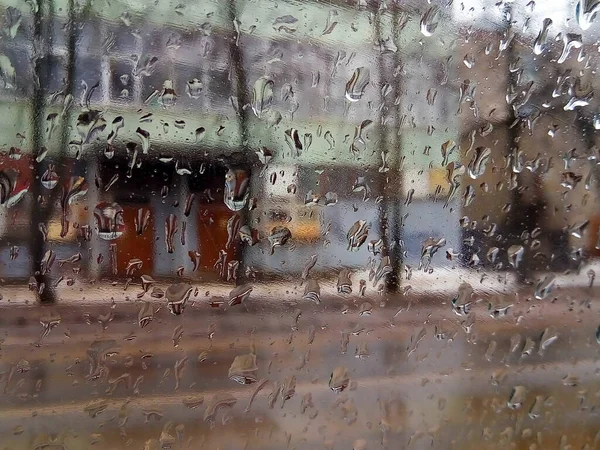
{"type": "Point", "coordinates": [240, 294]}
{"type": "Point", "coordinates": [167, 97]}
{"type": "Point", "coordinates": [309, 265]}
{"type": "Point", "coordinates": [528, 347]}
{"type": "Point", "coordinates": [375, 247]}
{"type": "Point", "coordinates": [536, 409]}
{"type": "Point", "coordinates": [292, 137]}
{"type": "Point", "coordinates": [146, 315]}
{"type": "Point", "coordinates": [177, 296]}
{"type": "Point", "coordinates": [344, 283]}
{"type": "Point", "coordinates": [544, 286]}
{"type": "Point", "coordinates": [479, 162]}
{"type": "Point", "coordinates": [549, 336]}
{"type": "Point", "coordinates": [262, 95]}
{"type": "Point", "coordinates": [515, 255]}
{"type": "Point", "coordinates": [469, 60]}
{"type": "Point", "coordinates": [217, 403]}
{"type": "Point", "coordinates": [429, 249]}
{"type": "Point", "coordinates": [278, 237]}
{"type": "Point", "coordinates": [331, 23]}
{"type": "Point", "coordinates": [570, 180]}
{"type": "Point", "coordinates": [248, 235]}
{"type": "Point", "coordinates": [12, 21]}
{"type": "Point", "coordinates": [429, 21]}
{"type": "Point", "coordinates": [355, 87]}
{"type": "Point", "coordinates": [461, 303]}
{"type": "Point", "coordinates": [447, 149]}
{"type": "Point", "coordinates": [236, 189]}
{"type": "Point", "coordinates": [312, 291]}
{"type": "Point", "coordinates": [200, 133]}
{"type": "Point", "coordinates": [144, 137]}
{"type": "Point", "coordinates": [243, 369]}
{"type": "Point", "coordinates": [170, 231]}
{"type": "Point", "coordinates": [489, 353]}
{"type": "Point", "coordinates": [357, 235]}
{"type": "Point", "coordinates": [233, 227]}
{"type": "Point", "coordinates": [570, 41]}
{"type": "Point", "coordinates": [50, 177]}
{"type": "Point", "coordinates": [498, 311]}
{"type": "Point", "coordinates": [585, 12]}
{"type": "Point", "coordinates": [108, 219]}
{"type": "Point", "coordinates": [147, 281]}
{"type": "Point", "coordinates": [194, 88]}
{"type": "Point", "coordinates": [133, 265]}
{"type": "Point", "coordinates": [539, 44]}
{"type": "Point", "coordinates": [141, 221]}
{"type": "Point", "coordinates": [517, 397]}
{"type": "Point", "coordinates": [339, 379]}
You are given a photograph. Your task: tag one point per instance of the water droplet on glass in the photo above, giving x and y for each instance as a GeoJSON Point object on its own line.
{"type": "Point", "coordinates": [429, 249]}
{"type": "Point", "coordinates": [517, 397]}
{"type": "Point", "coordinates": [292, 138]}
{"type": "Point", "coordinates": [331, 22]}
{"type": "Point", "coordinates": [144, 137]}
{"type": "Point", "coordinates": [170, 231]}
{"type": "Point", "coordinates": [167, 97]}
{"type": "Point", "coordinates": [429, 21]}
{"type": "Point", "coordinates": [312, 291]}
{"type": "Point", "coordinates": [357, 235]}
{"type": "Point", "coordinates": [183, 167]}
{"type": "Point", "coordinates": [499, 311]}
{"type": "Point", "coordinates": [344, 283]}
{"type": "Point", "coordinates": [240, 294]}
{"type": "Point", "coordinates": [177, 296]}
{"type": "Point", "coordinates": [515, 255]}
{"type": "Point", "coordinates": [461, 303]}
{"type": "Point", "coordinates": [357, 84]}
{"type": "Point", "coordinates": [278, 237]}
{"type": "Point", "coordinates": [544, 286]}
{"type": "Point", "coordinates": [536, 409]}
{"type": "Point", "coordinates": [108, 218]}
{"type": "Point", "coordinates": [262, 95]}
{"type": "Point", "coordinates": [141, 221]}
{"type": "Point", "coordinates": [339, 379]}
{"type": "Point", "coordinates": [146, 314]}
{"type": "Point", "coordinates": [218, 403]}
{"type": "Point", "coordinates": [570, 41]}
{"type": "Point", "coordinates": [309, 265]}
{"type": "Point", "coordinates": [200, 133]}
{"type": "Point", "coordinates": [447, 149]}
{"type": "Point", "coordinates": [479, 162]}
{"type": "Point", "coordinates": [50, 177]}
{"type": "Point", "coordinates": [243, 369]}
{"type": "Point", "coordinates": [248, 235]}
{"type": "Point", "coordinates": [539, 44]}
{"type": "Point", "coordinates": [236, 189]}
{"type": "Point", "coordinates": [469, 60]}
{"type": "Point", "coordinates": [585, 12]}
{"type": "Point", "coordinates": [194, 88]}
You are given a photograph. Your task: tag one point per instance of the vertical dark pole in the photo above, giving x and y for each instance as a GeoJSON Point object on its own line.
{"type": "Point", "coordinates": [391, 229]}
{"type": "Point", "coordinates": [237, 60]}
{"type": "Point", "coordinates": [43, 28]}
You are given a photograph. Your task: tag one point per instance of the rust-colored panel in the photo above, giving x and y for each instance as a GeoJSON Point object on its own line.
{"type": "Point", "coordinates": [594, 229]}
{"type": "Point", "coordinates": [130, 245]}
{"type": "Point", "coordinates": [212, 235]}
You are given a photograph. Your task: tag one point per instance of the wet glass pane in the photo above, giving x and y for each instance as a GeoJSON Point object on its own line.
{"type": "Point", "coordinates": [286, 224]}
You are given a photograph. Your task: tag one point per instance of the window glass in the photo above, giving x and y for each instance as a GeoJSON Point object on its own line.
{"type": "Point", "coordinates": [295, 224]}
